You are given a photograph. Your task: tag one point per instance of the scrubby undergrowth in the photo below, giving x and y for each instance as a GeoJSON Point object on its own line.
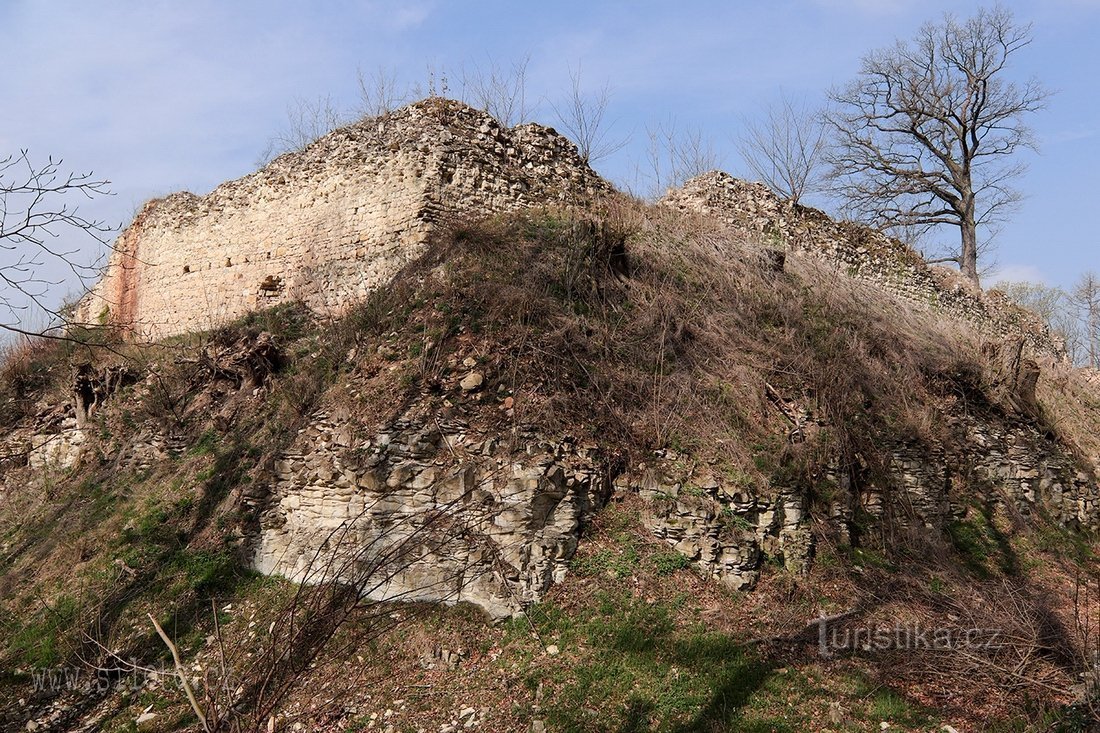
{"type": "Point", "coordinates": [630, 327]}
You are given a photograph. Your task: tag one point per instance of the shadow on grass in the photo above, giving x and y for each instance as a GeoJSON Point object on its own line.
{"type": "Point", "coordinates": [639, 669]}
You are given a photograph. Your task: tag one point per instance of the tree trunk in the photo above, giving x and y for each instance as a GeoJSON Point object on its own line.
{"type": "Point", "coordinates": [1090, 294]}
{"type": "Point", "coordinates": [968, 254]}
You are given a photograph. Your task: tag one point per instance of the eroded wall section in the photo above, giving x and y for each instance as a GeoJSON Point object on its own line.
{"type": "Point", "coordinates": [329, 224]}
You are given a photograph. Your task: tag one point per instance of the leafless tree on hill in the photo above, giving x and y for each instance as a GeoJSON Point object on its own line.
{"type": "Point", "coordinates": [500, 90]}
{"type": "Point", "coordinates": [1086, 298]}
{"type": "Point", "coordinates": [673, 156]}
{"type": "Point", "coordinates": [926, 133]}
{"type": "Point", "coordinates": [307, 120]}
{"type": "Point", "coordinates": [785, 148]}
{"type": "Point", "coordinates": [1053, 305]}
{"type": "Point", "coordinates": [39, 203]}
{"type": "Point", "coordinates": [380, 92]}
{"type": "Point", "coordinates": [583, 118]}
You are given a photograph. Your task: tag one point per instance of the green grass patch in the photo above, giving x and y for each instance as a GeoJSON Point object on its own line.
{"type": "Point", "coordinates": [209, 573]}
{"type": "Point", "coordinates": [40, 641]}
{"type": "Point", "coordinates": [667, 563]}
{"type": "Point", "coordinates": [635, 668]}
{"type": "Point", "coordinates": [616, 563]}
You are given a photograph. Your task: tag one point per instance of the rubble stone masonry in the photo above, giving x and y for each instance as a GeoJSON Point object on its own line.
{"type": "Point", "coordinates": [329, 224]}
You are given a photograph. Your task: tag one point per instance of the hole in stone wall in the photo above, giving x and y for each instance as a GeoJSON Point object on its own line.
{"type": "Point", "coordinates": [271, 285]}
{"type": "Point", "coordinates": [186, 269]}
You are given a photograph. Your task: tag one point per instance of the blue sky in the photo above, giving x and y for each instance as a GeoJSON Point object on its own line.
{"type": "Point", "coordinates": [161, 96]}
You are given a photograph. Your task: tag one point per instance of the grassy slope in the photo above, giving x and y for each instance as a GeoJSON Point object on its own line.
{"type": "Point", "coordinates": [634, 328]}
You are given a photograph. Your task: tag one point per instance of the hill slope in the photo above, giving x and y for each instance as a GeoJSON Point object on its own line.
{"type": "Point", "coordinates": [634, 451]}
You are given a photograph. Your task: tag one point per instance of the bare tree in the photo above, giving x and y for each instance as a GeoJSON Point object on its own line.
{"type": "Point", "coordinates": [1054, 305]}
{"type": "Point", "coordinates": [785, 148]}
{"type": "Point", "coordinates": [1086, 298]}
{"type": "Point", "coordinates": [583, 117]}
{"type": "Point", "coordinates": [38, 206]}
{"type": "Point", "coordinates": [307, 120]}
{"type": "Point", "coordinates": [500, 91]}
{"type": "Point", "coordinates": [380, 92]}
{"type": "Point", "coordinates": [437, 83]}
{"type": "Point", "coordinates": [674, 156]}
{"type": "Point", "coordinates": [926, 133]}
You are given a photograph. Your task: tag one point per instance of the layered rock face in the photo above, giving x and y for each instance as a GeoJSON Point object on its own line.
{"type": "Point", "coordinates": [727, 528]}
{"type": "Point", "coordinates": [860, 252]}
{"type": "Point", "coordinates": [331, 223]}
{"type": "Point", "coordinates": [429, 511]}
{"type": "Point", "coordinates": [53, 442]}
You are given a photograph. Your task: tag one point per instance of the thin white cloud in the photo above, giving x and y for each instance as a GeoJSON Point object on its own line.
{"type": "Point", "coordinates": [866, 7]}
{"type": "Point", "coordinates": [410, 15]}
{"type": "Point", "coordinates": [1069, 136]}
{"type": "Point", "coordinates": [1017, 273]}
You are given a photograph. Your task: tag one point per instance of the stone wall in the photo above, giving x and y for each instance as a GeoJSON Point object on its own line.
{"type": "Point", "coordinates": [331, 223]}
{"type": "Point", "coordinates": [861, 252]}
{"type": "Point", "coordinates": [429, 511]}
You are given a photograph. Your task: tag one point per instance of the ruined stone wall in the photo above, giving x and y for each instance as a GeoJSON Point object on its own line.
{"type": "Point", "coordinates": [331, 223]}
{"type": "Point", "coordinates": [861, 252]}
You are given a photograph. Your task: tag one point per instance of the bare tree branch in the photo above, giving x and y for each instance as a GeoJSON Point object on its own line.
{"type": "Point", "coordinates": [500, 91]}
{"type": "Point", "coordinates": [674, 156]}
{"type": "Point", "coordinates": [36, 209]}
{"type": "Point", "coordinates": [785, 148]}
{"type": "Point", "coordinates": [307, 120]}
{"type": "Point", "coordinates": [583, 117]}
{"type": "Point", "coordinates": [379, 92]}
{"type": "Point", "coordinates": [1085, 299]}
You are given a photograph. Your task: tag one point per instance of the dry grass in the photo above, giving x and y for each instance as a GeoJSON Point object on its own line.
{"type": "Point", "coordinates": [648, 329]}
{"type": "Point", "coordinates": [27, 368]}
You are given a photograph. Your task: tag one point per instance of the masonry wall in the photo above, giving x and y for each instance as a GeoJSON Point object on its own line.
{"type": "Point", "coordinates": [331, 223]}
{"type": "Point", "coordinates": [860, 252]}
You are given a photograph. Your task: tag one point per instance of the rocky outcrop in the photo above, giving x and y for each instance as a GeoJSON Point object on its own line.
{"type": "Point", "coordinates": [861, 252]}
{"type": "Point", "coordinates": [727, 525]}
{"type": "Point", "coordinates": [429, 510]}
{"type": "Point", "coordinates": [724, 526]}
{"type": "Point", "coordinates": [331, 223]}
{"type": "Point", "coordinates": [51, 440]}
{"type": "Point", "coordinates": [440, 511]}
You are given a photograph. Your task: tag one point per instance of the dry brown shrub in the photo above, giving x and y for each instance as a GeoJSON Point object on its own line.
{"type": "Point", "coordinates": [27, 367]}
{"type": "Point", "coordinates": [650, 328]}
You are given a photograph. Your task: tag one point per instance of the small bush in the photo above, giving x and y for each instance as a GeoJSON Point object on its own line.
{"type": "Point", "coordinates": [667, 563]}
{"type": "Point", "coordinates": [209, 572]}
